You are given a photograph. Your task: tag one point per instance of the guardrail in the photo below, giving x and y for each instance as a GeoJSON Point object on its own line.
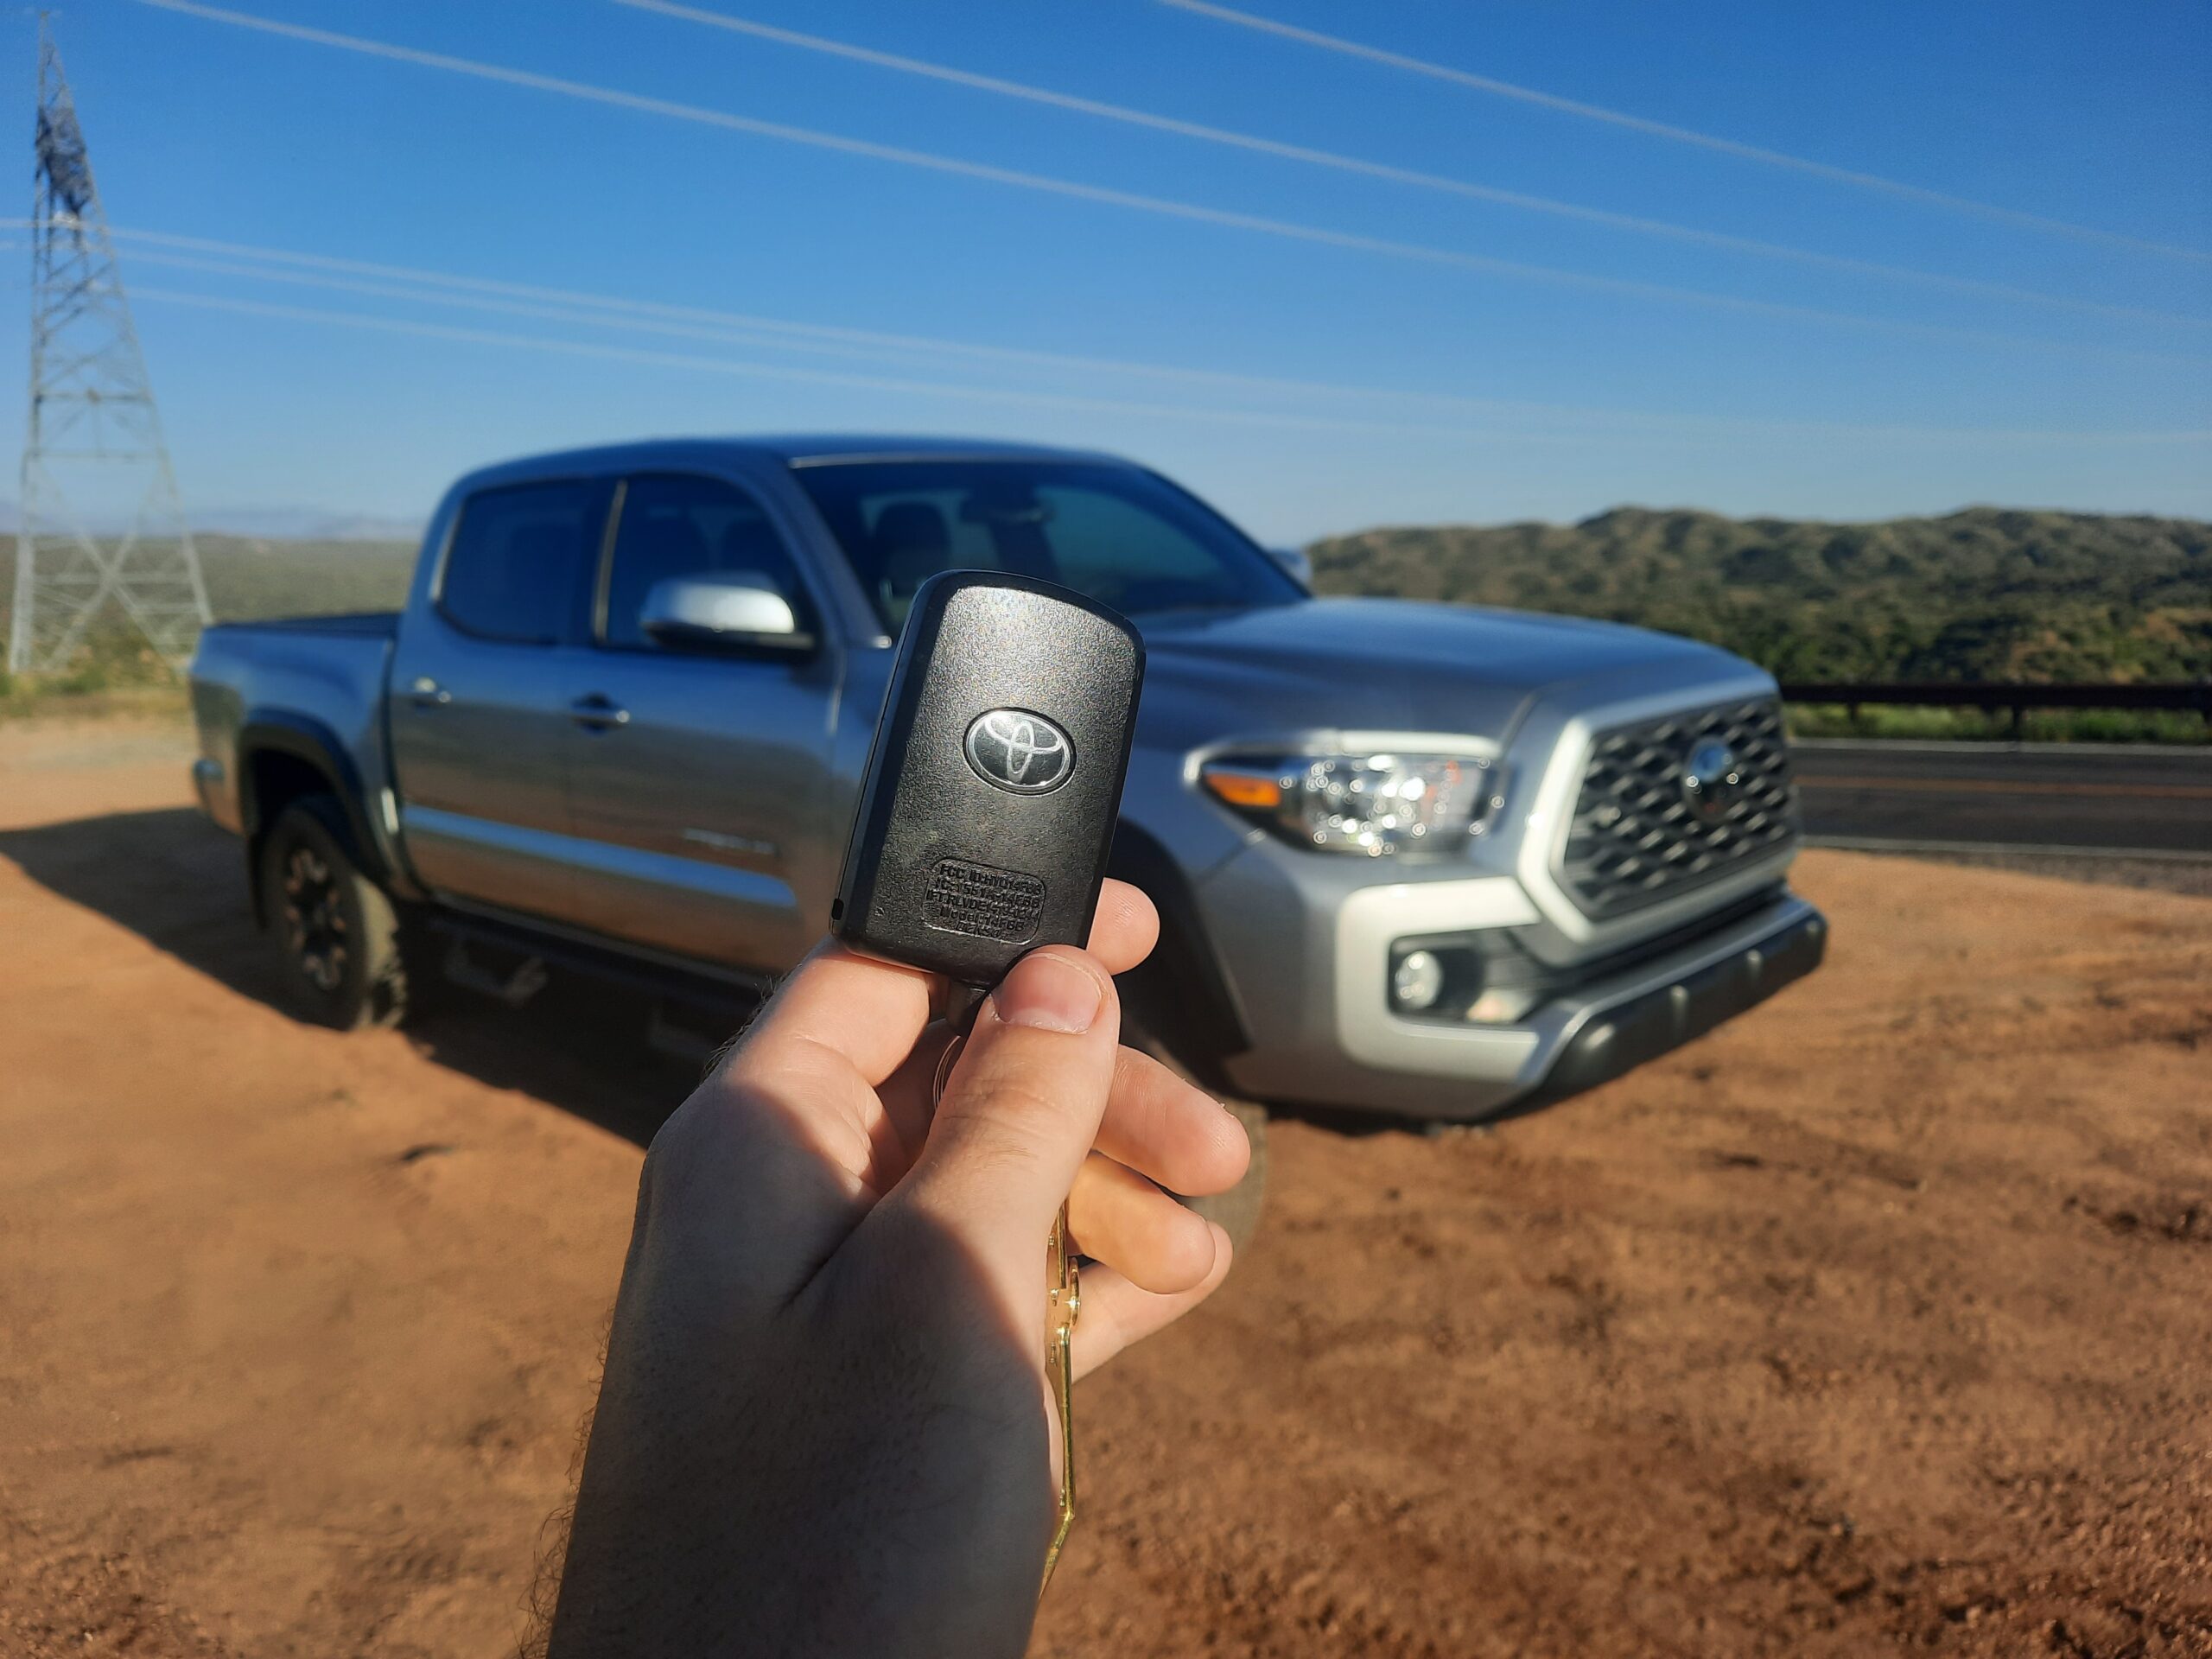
{"type": "Point", "coordinates": [1993, 695]}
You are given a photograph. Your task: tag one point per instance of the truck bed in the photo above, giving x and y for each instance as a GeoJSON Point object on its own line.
{"type": "Point", "coordinates": [323, 674]}
{"type": "Point", "coordinates": [381, 625]}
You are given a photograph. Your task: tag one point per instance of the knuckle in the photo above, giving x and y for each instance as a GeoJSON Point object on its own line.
{"type": "Point", "coordinates": [1012, 1108]}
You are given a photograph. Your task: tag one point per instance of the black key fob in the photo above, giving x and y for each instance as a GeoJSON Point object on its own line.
{"type": "Point", "coordinates": [989, 805]}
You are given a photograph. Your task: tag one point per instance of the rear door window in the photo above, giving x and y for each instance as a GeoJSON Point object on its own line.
{"type": "Point", "coordinates": [517, 557]}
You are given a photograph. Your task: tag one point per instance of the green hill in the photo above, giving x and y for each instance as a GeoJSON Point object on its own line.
{"type": "Point", "coordinates": [1983, 594]}
{"type": "Point", "coordinates": [1987, 593]}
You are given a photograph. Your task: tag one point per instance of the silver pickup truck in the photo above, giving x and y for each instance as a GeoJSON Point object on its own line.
{"type": "Point", "coordinates": [1410, 859]}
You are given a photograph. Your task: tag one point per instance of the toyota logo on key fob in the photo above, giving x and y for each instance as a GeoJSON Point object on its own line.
{"type": "Point", "coordinates": [1022, 752]}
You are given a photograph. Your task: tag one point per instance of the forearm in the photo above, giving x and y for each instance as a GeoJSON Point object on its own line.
{"type": "Point", "coordinates": [894, 1503]}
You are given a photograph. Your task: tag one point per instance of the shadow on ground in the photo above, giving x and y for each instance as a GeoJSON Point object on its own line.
{"type": "Point", "coordinates": [179, 882]}
{"type": "Point", "coordinates": [579, 1044]}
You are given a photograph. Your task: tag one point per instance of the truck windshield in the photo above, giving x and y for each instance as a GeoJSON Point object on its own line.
{"type": "Point", "coordinates": [1118, 534]}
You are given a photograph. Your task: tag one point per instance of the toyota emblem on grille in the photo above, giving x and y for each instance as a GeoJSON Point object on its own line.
{"type": "Point", "coordinates": [1712, 779]}
{"type": "Point", "coordinates": [1021, 752]}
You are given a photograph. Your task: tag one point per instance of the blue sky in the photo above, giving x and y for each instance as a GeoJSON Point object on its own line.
{"type": "Point", "coordinates": [1348, 367]}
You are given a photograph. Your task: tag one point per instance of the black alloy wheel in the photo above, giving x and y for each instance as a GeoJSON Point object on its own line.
{"type": "Point", "coordinates": [335, 931]}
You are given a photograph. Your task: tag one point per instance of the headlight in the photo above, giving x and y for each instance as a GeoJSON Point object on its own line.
{"type": "Point", "coordinates": [1378, 804]}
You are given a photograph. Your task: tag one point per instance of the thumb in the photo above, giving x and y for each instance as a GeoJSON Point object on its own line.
{"type": "Point", "coordinates": [1020, 1110]}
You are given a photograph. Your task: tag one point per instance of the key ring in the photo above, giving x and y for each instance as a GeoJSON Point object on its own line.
{"type": "Point", "coordinates": [1062, 1302]}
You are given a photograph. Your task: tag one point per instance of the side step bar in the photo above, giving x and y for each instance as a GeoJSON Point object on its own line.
{"type": "Point", "coordinates": [509, 962]}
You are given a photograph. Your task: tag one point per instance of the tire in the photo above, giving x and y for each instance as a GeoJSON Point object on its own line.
{"type": "Point", "coordinates": [336, 935]}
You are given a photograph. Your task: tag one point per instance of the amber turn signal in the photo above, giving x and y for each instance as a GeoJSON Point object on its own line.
{"type": "Point", "coordinates": [1242, 788]}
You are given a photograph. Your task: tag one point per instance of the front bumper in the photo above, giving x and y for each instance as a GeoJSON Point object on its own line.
{"type": "Point", "coordinates": [1333, 1040]}
{"type": "Point", "coordinates": [1620, 1027]}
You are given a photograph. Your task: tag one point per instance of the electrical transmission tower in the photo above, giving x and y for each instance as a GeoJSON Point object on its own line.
{"type": "Point", "coordinates": [102, 531]}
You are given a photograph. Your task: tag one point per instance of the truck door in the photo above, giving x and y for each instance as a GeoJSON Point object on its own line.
{"type": "Point", "coordinates": [477, 701]}
{"type": "Point", "coordinates": [699, 786]}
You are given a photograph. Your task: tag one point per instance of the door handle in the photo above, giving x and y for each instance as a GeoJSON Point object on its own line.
{"type": "Point", "coordinates": [428, 693]}
{"type": "Point", "coordinates": [598, 714]}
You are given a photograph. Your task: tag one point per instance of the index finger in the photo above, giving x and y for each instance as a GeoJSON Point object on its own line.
{"type": "Point", "coordinates": [865, 1009]}
{"type": "Point", "coordinates": [1123, 928]}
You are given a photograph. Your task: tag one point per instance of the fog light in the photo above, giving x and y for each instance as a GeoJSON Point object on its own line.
{"type": "Point", "coordinates": [1417, 981]}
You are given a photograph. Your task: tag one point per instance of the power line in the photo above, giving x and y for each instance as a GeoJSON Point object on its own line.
{"type": "Point", "coordinates": [1684, 135]}
{"type": "Point", "coordinates": [812, 376]}
{"type": "Point", "coordinates": [1149, 411]}
{"type": "Point", "coordinates": [1159, 205]}
{"type": "Point", "coordinates": [1419, 179]}
{"type": "Point", "coordinates": [408, 282]}
{"type": "Point", "coordinates": [431, 286]}
{"type": "Point", "coordinates": [602, 318]}
{"type": "Point", "coordinates": [830, 334]}
{"type": "Point", "coordinates": [617, 316]}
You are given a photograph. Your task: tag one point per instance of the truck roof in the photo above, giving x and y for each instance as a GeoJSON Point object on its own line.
{"type": "Point", "coordinates": [795, 449]}
{"type": "Point", "coordinates": [801, 447]}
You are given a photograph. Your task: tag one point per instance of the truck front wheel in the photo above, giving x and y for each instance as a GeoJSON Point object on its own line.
{"type": "Point", "coordinates": [336, 934]}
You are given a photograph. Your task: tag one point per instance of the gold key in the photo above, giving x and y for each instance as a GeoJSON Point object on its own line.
{"type": "Point", "coordinates": [1063, 1301]}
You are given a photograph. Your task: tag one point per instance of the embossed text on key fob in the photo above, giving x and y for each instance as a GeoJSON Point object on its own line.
{"type": "Point", "coordinates": [989, 805]}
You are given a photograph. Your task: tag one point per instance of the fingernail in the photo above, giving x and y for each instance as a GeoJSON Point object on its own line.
{"type": "Point", "coordinates": [1048, 993]}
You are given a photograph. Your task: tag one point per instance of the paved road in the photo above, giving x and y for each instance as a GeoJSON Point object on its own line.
{"type": "Point", "coordinates": [2047, 795]}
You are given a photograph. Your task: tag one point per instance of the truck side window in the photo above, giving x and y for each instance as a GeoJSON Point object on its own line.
{"type": "Point", "coordinates": [516, 559]}
{"type": "Point", "coordinates": [675, 525]}
{"type": "Point", "coordinates": [911, 536]}
{"type": "Point", "coordinates": [1116, 533]}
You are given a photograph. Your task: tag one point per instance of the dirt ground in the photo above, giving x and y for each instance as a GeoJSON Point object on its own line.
{"type": "Point", "coordinates": [1876, 1322]}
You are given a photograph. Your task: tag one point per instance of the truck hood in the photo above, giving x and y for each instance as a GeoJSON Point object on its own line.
{"type": "Point", "coordinates": [1381, 665]}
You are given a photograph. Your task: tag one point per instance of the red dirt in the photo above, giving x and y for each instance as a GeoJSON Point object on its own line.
{"type": "Point", "coordinates": [1877, 1321]}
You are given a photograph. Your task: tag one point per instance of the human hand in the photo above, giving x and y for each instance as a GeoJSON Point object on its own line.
{"type": "Point", "coordinates": [825, 1424]}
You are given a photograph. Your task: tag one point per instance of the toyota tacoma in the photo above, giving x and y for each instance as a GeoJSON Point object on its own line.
{"type": "Point", "coordinates": [1417, 859]}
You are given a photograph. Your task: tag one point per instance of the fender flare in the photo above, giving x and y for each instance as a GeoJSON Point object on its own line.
{"type": "Point", "coordinates": [1179, 993]}
{"type": "Point", "coordinates": [278, 731]}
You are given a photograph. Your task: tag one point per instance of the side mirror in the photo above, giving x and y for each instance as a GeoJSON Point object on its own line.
{"type": "Point", "coordinates": [1295, 565]}
{"type": "Point", "coordinates": [732, 613]}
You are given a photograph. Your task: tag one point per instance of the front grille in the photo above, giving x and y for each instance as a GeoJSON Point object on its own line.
{"type": "Point", "coordinates": [1638, 837]}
